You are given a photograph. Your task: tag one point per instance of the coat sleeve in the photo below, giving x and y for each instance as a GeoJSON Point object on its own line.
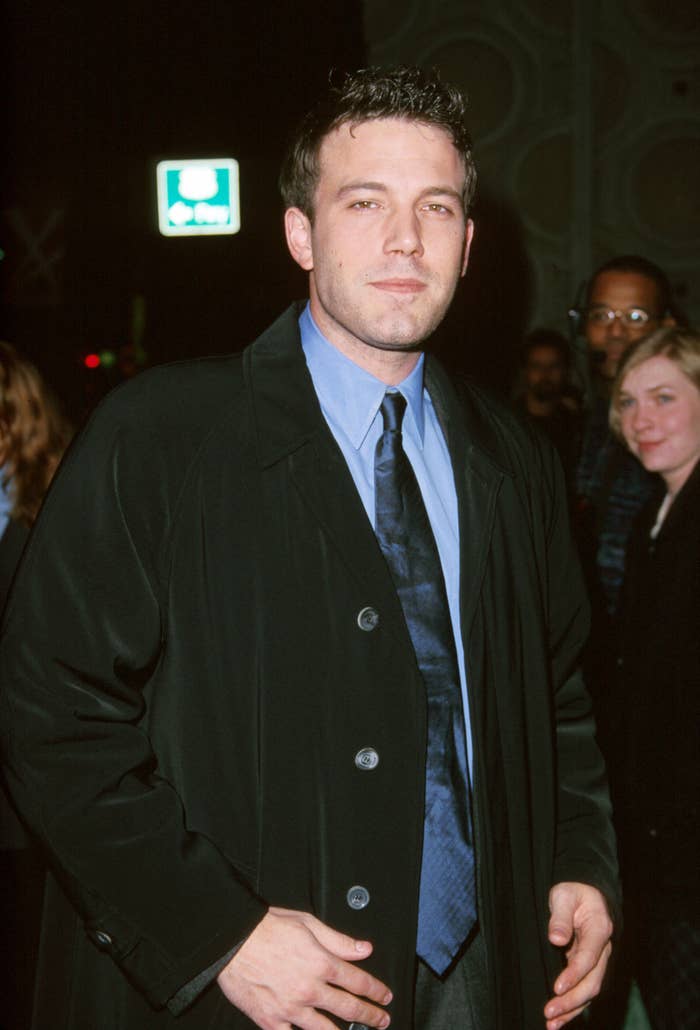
{"type": "Point", "coordinates": [83, 635]}
{"type": "Point", "coordinates": [585, 849]}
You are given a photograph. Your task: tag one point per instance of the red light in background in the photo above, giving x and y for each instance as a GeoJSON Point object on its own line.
{"type": "Point", "coordinates": [91, 361]}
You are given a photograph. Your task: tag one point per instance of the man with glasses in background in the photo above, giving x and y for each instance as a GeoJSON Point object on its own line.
{"type": "Point", "coordinates": [627, 297]}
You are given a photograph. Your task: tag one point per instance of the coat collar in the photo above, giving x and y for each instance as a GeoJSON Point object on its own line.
{"type": "Point", "coordinates": [287, 413]}
{"type": "Point", "coordinates": [290, 427]}
{"type": "Point", "coordinates": [285, 409]}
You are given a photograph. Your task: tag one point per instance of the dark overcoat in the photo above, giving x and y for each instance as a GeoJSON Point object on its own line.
{"type": "Point", "coordinates": [189, 673]}
{"type": "Point", "coordinates": [656, 708]}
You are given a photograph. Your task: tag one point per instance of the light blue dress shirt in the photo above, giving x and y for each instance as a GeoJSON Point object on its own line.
{"type": "Point", "coordinates": [350, 399]}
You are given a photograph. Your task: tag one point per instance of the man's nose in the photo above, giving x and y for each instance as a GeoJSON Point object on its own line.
{"type": "Point", "coordinates": [404, 233]}
{"type": "Point", "coordinates": [617, 329]}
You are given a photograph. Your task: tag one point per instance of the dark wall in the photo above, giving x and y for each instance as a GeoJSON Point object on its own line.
{"type": "Point", "coordinates": [586, 121]}
{"type": "Point", "coordinates": [100, 94]}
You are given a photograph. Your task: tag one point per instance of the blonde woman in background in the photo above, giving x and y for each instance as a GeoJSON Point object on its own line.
{"type": "Point", "coordinates": [656, 786]}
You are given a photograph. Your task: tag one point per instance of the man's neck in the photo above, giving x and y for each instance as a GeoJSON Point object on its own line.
{"type": "Point", "coordinates": [391, 365]}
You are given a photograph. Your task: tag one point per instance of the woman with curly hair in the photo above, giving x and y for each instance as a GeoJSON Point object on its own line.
{"type": "Point", "coordinates": [33, 433]}
{"type": "Point", "coordinates": [33, 436]}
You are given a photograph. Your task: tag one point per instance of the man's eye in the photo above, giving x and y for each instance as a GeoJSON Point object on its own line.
{"type": "Point", "coordinates": [438, 208]}
{"type": "Point", "coordinates": [637, 317]}
{"type": "Point", "coordinates": [364, 205]}
{"type": "Point", "coordinates": [664, 398]}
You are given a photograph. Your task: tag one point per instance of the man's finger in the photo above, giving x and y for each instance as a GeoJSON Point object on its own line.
{"type": "Point", "coordinates": [562, 903]}
{"type": "Point", "coordinates": [359, 982]}
{"type": "Point", "coordinates": [351, 1008]}
{"type": "Point", "coordinates": [567, 1005]}
{"type": "Point", "coordinates": [583, 957]}
{"type": "Point", "coordinates": [343, 973]}
{"type": "Point", "coordinates": [352, 949]}
{"type": "Point", "coordinates": [579, 916]}
{"type": "Point", "coordinates": [556, 1024]}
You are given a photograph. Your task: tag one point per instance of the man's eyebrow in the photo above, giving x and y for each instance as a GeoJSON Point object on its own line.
{"type": "Point", "coordinates": [352, 187]}
{"type": "Point", "coordinates": [442, 191]}
{"type": "Point", "coordinates": [608, 307]}
{"type": "Point", "coordinates": [381, 187]}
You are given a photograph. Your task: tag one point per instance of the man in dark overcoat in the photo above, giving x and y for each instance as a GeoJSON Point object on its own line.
{"type": "Point", "coordinates": [215, 712]}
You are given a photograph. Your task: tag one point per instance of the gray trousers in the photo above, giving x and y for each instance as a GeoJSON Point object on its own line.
{"type": "Point", "coordinates": [459, 1002]}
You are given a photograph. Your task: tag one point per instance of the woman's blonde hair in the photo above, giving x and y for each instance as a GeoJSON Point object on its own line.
{"type": "Point", "coordinates": [681, 346]}
{"type": "Point", "coordinates": [33, 434]}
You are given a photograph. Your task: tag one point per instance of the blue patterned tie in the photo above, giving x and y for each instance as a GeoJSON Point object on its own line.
{"type": "Point", "coordinates": [447, 906]}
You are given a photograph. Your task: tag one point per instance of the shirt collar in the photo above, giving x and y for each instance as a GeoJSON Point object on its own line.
{"type": "Point", "coordinates": [348, 394]}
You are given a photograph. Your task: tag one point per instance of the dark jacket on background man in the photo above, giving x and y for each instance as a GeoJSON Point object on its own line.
{"type": "Point", "coordinates": [203, 639]}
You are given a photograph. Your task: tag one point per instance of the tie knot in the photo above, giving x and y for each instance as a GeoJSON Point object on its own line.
{"type": "Point", "coordinates": [392, 409]}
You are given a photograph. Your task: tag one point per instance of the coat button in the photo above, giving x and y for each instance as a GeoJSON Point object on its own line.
{"type": "Point", "coordinates": [368, 619]}
{"type": "Point", "coordinates": [358, 898]}
{"type": "Point", "coordinates": [102, 939]}
{"type": "Point", "coordinates": [367, 759]}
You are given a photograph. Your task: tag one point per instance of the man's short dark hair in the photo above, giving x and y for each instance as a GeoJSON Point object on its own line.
{"type": "Point", "coordinates": [556, 341]}
{"type": "Point", "coordinates": [366, 95]}
{"type": "Point", "coordinates": [640, 266]}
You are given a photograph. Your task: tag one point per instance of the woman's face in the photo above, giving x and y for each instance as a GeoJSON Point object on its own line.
{"type": "Point", "coordinates": [660, 419]}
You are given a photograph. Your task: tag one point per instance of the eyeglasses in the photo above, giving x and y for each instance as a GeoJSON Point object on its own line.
{"type": "Point", "coordinates": [633, 318]}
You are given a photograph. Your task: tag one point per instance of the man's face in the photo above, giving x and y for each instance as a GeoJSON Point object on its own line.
{"type": "Point", "coordinates": [545, 373]}
{"type": "Point", "coordinates": [619, 291]}
{"type": "Point", "coordinates": [389, 239]}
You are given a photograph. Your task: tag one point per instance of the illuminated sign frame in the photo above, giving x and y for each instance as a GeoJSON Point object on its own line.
{"type": "Point", "coordinates": [198, 197]}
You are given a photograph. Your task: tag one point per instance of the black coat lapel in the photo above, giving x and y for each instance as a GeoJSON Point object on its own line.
{"type": "Point", "coordinates": [478, 476]}
{"type": "Point", "coordinates": [290, 427]}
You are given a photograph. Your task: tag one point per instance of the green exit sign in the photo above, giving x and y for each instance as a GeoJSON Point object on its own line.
{"type": "Point", "coordinates": [198, 197]}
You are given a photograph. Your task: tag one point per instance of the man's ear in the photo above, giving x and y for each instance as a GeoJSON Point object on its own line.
{"type": "Point", "coordinates": [468, 236]}
{"type": "Point", "coordinates": [297, 229]}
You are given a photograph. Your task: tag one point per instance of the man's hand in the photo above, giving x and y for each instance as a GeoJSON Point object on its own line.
{"type": "Point", "coordinates": [292, 966]}
{"type": "Point", "coordinates": [580, 921]}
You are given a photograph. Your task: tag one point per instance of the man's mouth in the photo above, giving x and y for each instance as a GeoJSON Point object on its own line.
{"type": "Point", "coordinates": [399, 285]}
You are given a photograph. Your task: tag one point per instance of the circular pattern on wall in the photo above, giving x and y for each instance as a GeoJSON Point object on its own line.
{"type": "Point", "coordinates": [386, 18]}
{"type": "Point", "coordinates": [664, 192]}
{"type": "Point", "coordinates": [544, 185]}
{"type": "Point", "coordinates": [550, 14]}
{"type": "Point", "coordinates": [678, 20]}
{"type": "Point", "coordinates": [485, 75]}
{"type": "Point", "coordinates": [610, 89]}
